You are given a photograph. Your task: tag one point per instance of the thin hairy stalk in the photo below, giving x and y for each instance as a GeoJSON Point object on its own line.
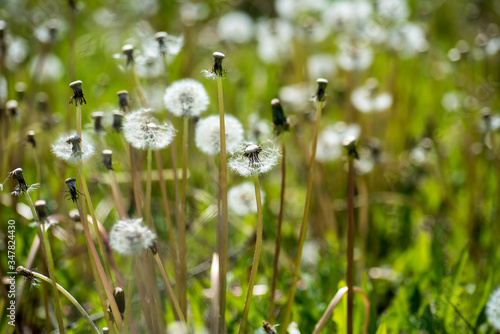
{"type": "Point", "coordinates": [223, 230]}
{"type": "Point", "coordinates": [127, 320]}
{"type": "Point", "coordinates": [256, 257]}
{"type": "Point", "coordinates": [170, 291]}
{"type": "Point", "coordinates": [214, 284]}
{"type": "Point", "coordinates": [335, 300]}
{"type": "Point", "coordinates": [350, 246]}
{"type": "Point", "coordinates": [181, 226]}
{"type": "Point", "coordinates": [117, 196]}
{"type": "Point", "coordinates": [46, 249]}
{"type": "Point", "coordinates": [147, 205]}
{"type": "Point", "coordinates": [100, 270]}
{"type": "Point", "coordinates": [70, 297]}
{"type": "Point", "coordinates": [94, 220]}
{"type": "Point", "coordinates": [166, 207]}
{"type": "Point", "coordinates": [303, 226]}
{"type": "Point", "coordinates": [277, 247]}
{"type": "Point", "coordinates": [142, 294]}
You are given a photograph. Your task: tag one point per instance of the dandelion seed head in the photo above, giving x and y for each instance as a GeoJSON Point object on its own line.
{"type": "Point", "coordinates": [72, 147]}
{"type": "Point", "coordinates": [367, 98]}
{"type": "Point", "coordinates": [142, 131]}
{"type": "Point", "coordinates": [329, 146]}
{"type": "Point", "coordinates": [236, 27]}
{"type": "Point", "coordinates": [241, 199]}
{"type": "Point", "coordinates": [207, 134]}
{"type": "Point", "coordinates": [186, 98]}
{"type": "Point", "coordinates": [252, 159]}
{"type": "Point", "coordinates": [129, 237]}
{"type": "Point", "coordinates": [493, 309]}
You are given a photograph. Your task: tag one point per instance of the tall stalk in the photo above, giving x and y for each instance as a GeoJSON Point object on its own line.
{"type": "Point", "coordinates": [42, 233]}
{"type": "Point", "coordinates": [223, 230]}
{"type": "Point", "coordinates": [277, 247]}
{"type": "Point", "coordinates": [147, 205]}
{"type": "Point", "coordinates": [34, 275]}
{"type": "Point", "coordinates": [303, 227]}
{"type": "Point", "coordinates": [181, 226]}
{"type": "Point", "coordinates": [350, 246]}
{"type": "Point", "coordinates": [256, 257]}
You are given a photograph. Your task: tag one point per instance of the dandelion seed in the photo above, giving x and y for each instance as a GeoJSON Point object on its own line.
{"type": "Point", "coordinates": [129, 237]}
{"type": "Point", "coordinates": [207, 136]}
{"type": "Point", "coordinates": [76, 86]}
{"type": "Point", "coordinates": [367, 99]}
{"type": "Point", "coordinates": [72, 147]}
{"type": "Point", "coordinates": [251, 159]}
{"type": "Point", "coordinates": [142, 131]}
{"type": "Point", "coordinates": [217, 69]}
{"type": "Point", "coordinates": [493, 309]}
{"type": "Point", "coordinates": [186, 98]}
{"type": "Point", "coordinates": [242, 199]}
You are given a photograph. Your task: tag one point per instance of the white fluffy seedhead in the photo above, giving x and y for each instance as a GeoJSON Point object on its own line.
{"type": "Point", "coordinates": [251, 159]}
{"type": "Point", "coordinates": [207, 136]}
{"type": "Point", "coordinates": [129, 237]}
{"type": "Point", "coordinates": [242, 199]}
{"type": "Point", "coordinates": [186, 98]}
{"type": "Point", "coordinates": [493, 309]}
{"type": "Point", "coordinates": [71, 147]}
{"type": "Point", "coordinates": [142, 131]}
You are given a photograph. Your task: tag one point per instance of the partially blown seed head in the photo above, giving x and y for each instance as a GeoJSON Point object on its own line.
{"type": "Point", "coordinates": [21, 187]}
{"type": "Point", "coordinates": [129, 237]}
{"type": "Point", "coordinates": [251, 159]}
{"type": "Point", "coordinates": [217, 69]}
{"type": "Point", "coordinates": [242, 199]}
{"type": "Point", "coordinates": [207, 136]}
{"type": "Point", "coordinates": [143, 131]}
{"type": "Point", "coordinates": [186, 98]}
{"type": "Point", "coordinates": [72, 147]}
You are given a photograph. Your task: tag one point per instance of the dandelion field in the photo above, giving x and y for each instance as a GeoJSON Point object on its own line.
{"type": "Point", "coordinates": [355, 187]}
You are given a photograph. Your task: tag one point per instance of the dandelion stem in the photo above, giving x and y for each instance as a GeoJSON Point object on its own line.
{"type": "Point", "coordinates": [166, 207]}
{"type": "Point", "coordinates": [147, 205]}
{"type": "Point", "coordinates": [117, 195]}
{"type": "Point", "coordinates": [135, 183]}
{"type": "Point", "coordinates": [214, 284]}
{"type": "Point", "coordinates": [139, 279]}
{"type": "Point", "coordinates": [303, 226]}
{"type": "Point", "coordinates": [78, 119]}
{"type": "Point", "coordinates": [142, 99]}
{"type": "Point", "coordinates": [128, 298]}
{"type": "Point", "coordinates": [278, 232]}
{"type": "Point", "coordinates": [37, 169]}
{"type": "Point", "coordinates": [350, 245]}
{"type": "Point", "coordinates": [256, 257]}
{"type": "Point", "coordinates": [100, 269]}
{"type": "Point", "coordinates": [94, 220]}
{"type": "Point", "coordinates": [181, 226]}
{"type": "Point", "coordinates": [42, 233]}
{"type": "Point", "coordinates": [170, 291]}
{"type": "Point", "coordinates": [70, 297]}
{"type": "Point", "coordinates": [223, 230]}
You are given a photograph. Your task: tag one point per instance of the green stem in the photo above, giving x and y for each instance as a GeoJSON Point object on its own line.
{"type": "Point", "coordinates": [181, 227]}
{"type": "Point", "coordinates": [277, 247]}
{"type": "Point", "coordinates": [50, 263]}
{"type": "Point", "coordinates": [138, 87]}
{"type": "Point", "coordinates": [147, 205]}
{"type": "Point", "coordinates": [256, 257]}
{"type": "Point", "coordinates": [38, 171]}
{"type": "Point", "coordinates": [128, 297]}
{"type": "Point", "coordinates": [303, 226]}
{"type": "Point", "coordinates": [223, 230]}
{"type": "Point", "coordinates": [78, 120]}
{"type": "Point", "coordinates": [350, 246]}
{"type": "Point", "coordinates": [71, 299]}
{"type": "Point", "coordinates": [170, 291]}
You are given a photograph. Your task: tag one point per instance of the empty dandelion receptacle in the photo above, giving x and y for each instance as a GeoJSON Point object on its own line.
{"type": "Point", "coordinates": [41, 209]}
{"type": "Point", "coordinates": [161, 38]}
{"type": "Point", "coordinates": [12, 107]}
{"type": "Point", "coordinates": [279, 118]}
{"type": "Point", "coordinates": [98, 117]}
{"type": "Point", "coordinates": [128, 51]}
{"type": "Point", "coordinates": [30, 138]}
{"type": "Point", "coordinates": [117, 121]}
{"type": "Point", "coordinates": [78, 97]}
{"type": "Point", "coordinates": [107, 159]}
{"type": "Point", "coordinates": [123, 100]}
{"type": "Point", "coordinates": [320, 92]}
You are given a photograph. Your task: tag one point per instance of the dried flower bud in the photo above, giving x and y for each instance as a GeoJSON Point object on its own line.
{"type": "Point", "coordinates": [20, 90]}
{"type": "Point", "coordinates": [128, 51]}
{"type": "Point", "coordinates": [320, 93]}
{"type": "Point", "coordinates": [12, 107]}
{"type": "Point", "coordinates": [161, 37]}
{"type": "Point", "coordinates": [117, 120]}
{"type": "Point", "coordinates": [41, 209]}
{"type": "Point", "coordinates": [30, 138]}
{"type": "Point", "coordinates": [98, 116]}
{"type": "Point", "coordinates": [123, 101]}
{"type": "Point", "coordinates": [119, 295]}
{"type": "Point", "coordinates": [76, 86]}
{"type": "Point", "coordinates": [42, 102]}
{"type": "Point", "coordinates": [279, 118]}
{"type": "Point", "coordinates": [107, 159]}
{"type": "Point", "coordinates": [350, 144]}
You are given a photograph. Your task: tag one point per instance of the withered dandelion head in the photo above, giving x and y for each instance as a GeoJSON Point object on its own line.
{"type": "Point", "coordinates": [72, 191]}
{"type": "Point", "coordinates": [217, 69]}
{"type": "Point", "coordinates": [117, 120]}
{"type": "Point", "coordinates": [123, 99]}
{"type": "Point", "coordinates": [21, 187]}
{"type": "Point", "coordinates": [78, 98]}
{"type": "Point", "coordinates": [279, 118]}
{"type": "Point", "coordinates": [72, 147]}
